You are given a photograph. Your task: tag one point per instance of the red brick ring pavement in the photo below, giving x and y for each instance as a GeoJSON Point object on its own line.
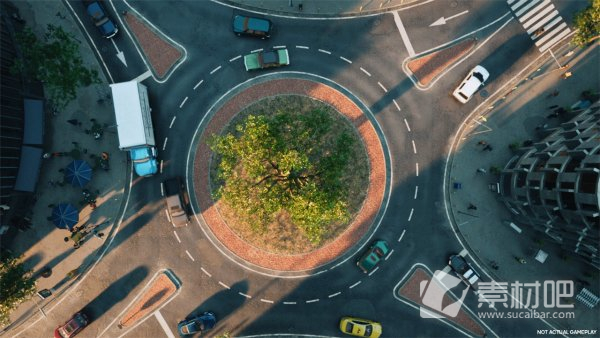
{"type": "Point", "coordinates": [357, 229]}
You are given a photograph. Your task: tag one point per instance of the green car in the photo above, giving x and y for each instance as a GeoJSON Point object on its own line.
{"type": "Point", "coordinates": [369, 260]}
{"type": "Point", "coordinates": [267, 59]}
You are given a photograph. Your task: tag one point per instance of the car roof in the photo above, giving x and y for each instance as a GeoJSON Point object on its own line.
{"type": "Point", "coordinates": [253, 23]}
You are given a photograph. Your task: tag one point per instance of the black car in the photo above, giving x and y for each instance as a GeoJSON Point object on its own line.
{"type": "Point", "coordinates": [250, 26]}
{"type": "Point", "coordinates": [102, 20]}
{"type": "Point", "coordinates": [464, 270]}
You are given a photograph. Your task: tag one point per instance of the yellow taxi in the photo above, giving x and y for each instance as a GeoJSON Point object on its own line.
{"type": "Point", "coordinates": [360, 327]}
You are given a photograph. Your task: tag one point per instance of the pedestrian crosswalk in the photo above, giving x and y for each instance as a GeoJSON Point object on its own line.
{"type": "Point", "coordinates": [541, 20]}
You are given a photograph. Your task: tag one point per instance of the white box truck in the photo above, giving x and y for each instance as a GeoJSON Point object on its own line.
{"type": "Point", "coordinates": [134, 125]}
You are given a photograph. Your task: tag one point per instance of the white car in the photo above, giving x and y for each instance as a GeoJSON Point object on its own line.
{"type": "Point", "coordinates": [471, 84]}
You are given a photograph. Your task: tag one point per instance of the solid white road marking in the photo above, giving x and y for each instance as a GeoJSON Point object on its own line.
{"type": "Point", "coordinates": [198, 84]}
{"type": "Point", "coordinates": [372, 272]}
{"type": "Point", "coordinates": [176, 236]}
{"type": "Point", "coordinates": [266, 301]}
{"type": "Point", "coordinates": [416, 191]}
{"type": "Point", "coordinates": [343, 58]}
{"type": "Point", "coordinates": [417, 168]}
{"type": "Point", "coordinates": [245, 295]}
{"type": "Point", "coordinates": [401, 235]}
{"type": "Point", "coordinates": [320, 272]}
{"type": "Point", "coordinates": [214, 70]}
{"type": "Point", "coordinates": [278, 47]}
{"type": "Point", "coordinates": [411, 213]}
{"type": "Point", "coordinates": [406, 123]}
{"type": "Point", "coordinates": [414, 146]}
{"type": "Point", "coordinates": [172, 121]}
{"type": "Point", "coordinates": [224, 285]}
{"type": "Point", "coordinates": [163, 324]}
{"type": "Point", "coordinates": [388, 255]}
{"type": "Point", "coordinates": [143, 76]}
{"type": "Point", "coordinates": [403, 34]}
{"type": "Point", "coordinates": [206, 272]}
{"type": "Point", "coordinates": [256, 50]}
{"type": "Point", "coordinates": [355, 284]}
{"type": "Point", "coordinates": [324, 51]}
{"type": "Point", "coordinates": [302, 47]}
{"type": "Point", "coordinates": [397, 106]}
{"type": "Point", "coordinates": [165, 143]}
{"type": "Point", "coordinates": [334, 294]}
{"type": "Point", "coordinates": [190, 255]}
{"type": "Point", "coordinates": [312, 301]}
{"type": "Point", "coordinates": [382, 87]}
{"type": "Point", "coordinates": [364, 71]}
{"type": "Point", "coordinates": [183, 102]}
{"type": "Point", "coordinates": [463, 252]}
{"type": "Point", "coordinates": [289, 303]}
{"type": "Point", "coordinates": [235, 58]}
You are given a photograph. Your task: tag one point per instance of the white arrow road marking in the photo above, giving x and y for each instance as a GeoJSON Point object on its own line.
{"type": "Point", "coordinates": [442, 20]}
{"type": "Point", "coordinates": [120, 53]}
{"type": "Point", "coordinates": [163, 324]}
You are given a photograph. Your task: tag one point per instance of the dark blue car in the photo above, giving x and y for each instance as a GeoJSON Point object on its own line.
{"type": "Point", "coordinates": [199, 324]}
{"type": "Point", "coordinates": [99, 15]}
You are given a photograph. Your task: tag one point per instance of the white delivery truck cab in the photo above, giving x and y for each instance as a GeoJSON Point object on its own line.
{"type": "Point", "coordinates": [134, 125]}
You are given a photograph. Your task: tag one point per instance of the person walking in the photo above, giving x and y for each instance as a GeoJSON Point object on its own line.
{"type": "Point", "coordinates": [488, 147]}
{"type": "Point", "coordinates": [472, 207]}
{"type": "Point", "coordinates": [98, 234]}
{"type": "Point", "coordinates": [481, 170]}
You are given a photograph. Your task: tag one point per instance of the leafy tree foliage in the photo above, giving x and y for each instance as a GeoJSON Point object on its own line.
{"type": "Point", "coordinates": [588, 24]}
{"type": "Point", "coordinates": [16, 286]}
{"type": "Point", "coordinates": [285, 163]}
{"type": "Point", "coordinates": [55, 61]}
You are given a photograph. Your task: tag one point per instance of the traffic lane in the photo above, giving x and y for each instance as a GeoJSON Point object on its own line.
{"type": "Point", "coordinates": [462, 17]}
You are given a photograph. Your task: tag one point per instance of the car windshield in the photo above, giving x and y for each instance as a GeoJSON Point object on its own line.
{"type": "Point", "coordinates": [368, 330]}
{"type": "Point", "coordinates": [349, 327]}
{"type": "Point", "coordinates": [478, 76]}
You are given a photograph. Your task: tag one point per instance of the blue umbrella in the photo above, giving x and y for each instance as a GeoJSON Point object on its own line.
{"type": "Point", "coordinates": [65, 216]}
{"type": "Point", "coordinates": [78, 173]}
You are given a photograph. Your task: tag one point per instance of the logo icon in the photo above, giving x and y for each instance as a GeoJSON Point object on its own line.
{"type": "Point", "coordinates": [432, 296]}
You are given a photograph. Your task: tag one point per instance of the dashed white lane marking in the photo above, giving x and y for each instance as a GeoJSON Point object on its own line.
{"type": "Point", "coordinates": [235, 58]}
{"type": "Point", "coordinates": [161, 166]}
{"type": "Point", "coordinates": [278, 47]}
{"type": "Point", "coordinates": [143, 76]}
{"type": "Point", "coordinates": [406, 123]}
{"type": "Point", "coordinates": [334, 294]}
{"type": "Point", "coordinates": [324, 51]}
{"type": "Point", "coordinates": [382, 87]}
{"type": "Point", "coordinates": [411, 213]}
{"type": "Point", "coordinates": [256, 50]}
{"type": "Point", "coordinates": [205, 272]}
{"type": "Point", "coordinates": [190, 255]}
{"type": "Point", "coordinates": [396, 104]}
{"type": "Point", "coordinates": [162, 190]}
{"type": "Point", "coordinates": [343, 58]}
{"type": "Point", "coordinates": [198, 84]}
{"type": "Point", "coordinates": [266, 301]}
{"type": "Point", "coordinates": [388, 255]}
{"type": "Point", "coordinates": [302, 47]}
{"type": "Point", "coordinates": [403, 34]}
{"type": "Point", "coordinates": [417, 169]}
{"type": "Point", "coordinates": [176, 236]}
{"type": "Point", "coordinates": [414, 146]}
{"type": "Point", "coordinates": [372, 272]}
{"type": "Point", "coordinates": [401, 235]}
{"type": "Point", "coordinates": [355, 284]}
{"type": "Point", "coordinates": [224, 285]}
{"type": "Point", "coordinates": [163, 324]}
{"type": "Point", "coordinates": [165, 143]}
{"type": "Point", "coordinates": [365, 71]}
{"type": "Point", "coordinates": [214, 70]}
{"type": "Point", "coordinates": [289, 303]}
{"type": "Point", "coordinates": [312, 301]}
{"type": "Point", "coordinates": [416, 192]}
{"type": "Point", "coordinates": [183, 102]}
{"type": "Point", "coordinates": [172, 121]}
{"type": "Point", "coordinates": [245, 295]}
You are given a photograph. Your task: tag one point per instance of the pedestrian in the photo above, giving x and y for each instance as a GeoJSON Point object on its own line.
{"type": "Point", "coordinates": [567, 75]}
{"type": "Point", "coordinates": [300, 7]}
{"type": "Point", "coordinates": [74, 122]}
{"type": "Point", "coordinates": [488, 148]}
{"type": "Point", "coordinates": [77, 237]}
{"type": "Point", "coordinates": [481, 143]}
{"type": "Point", "coordinates": [481, 170]}
{"type": "Point", "coordinates": [521, 260]}
{"type": "Point", "coordinates": [98, 234]}
{"type": "Point", "coordinates": [472, 207]}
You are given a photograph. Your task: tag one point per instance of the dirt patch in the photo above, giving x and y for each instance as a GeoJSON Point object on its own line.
{"type": "Point", "coordinates": [160, 54]}
{"type": "Point", "coordinates": [411, 290]}
{"type": "Point", "coordinates": [428, 67]}
{"type": "Point", "coordinates": [159, 291]}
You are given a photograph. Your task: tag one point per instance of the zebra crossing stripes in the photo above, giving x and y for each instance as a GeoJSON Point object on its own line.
{"type": "Point", "coordinates": [541, 20]}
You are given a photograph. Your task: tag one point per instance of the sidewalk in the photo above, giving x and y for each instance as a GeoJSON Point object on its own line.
{"type": "Point", "coordinates": [43, 245]}
{"type": "Point", "coordinates": [486, 229]}
{"type": "Point", "coordinates": [320, 8]}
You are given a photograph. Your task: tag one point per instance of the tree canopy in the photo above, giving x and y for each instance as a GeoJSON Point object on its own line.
{"type": "Point", "coordinates": [587, 23]}
{"type": "Point", "coordinates": [286, 163]}
{"type": "Point", "coordinates": [16, 286]}
{"type": "Point", "coordinates": [55, 61]}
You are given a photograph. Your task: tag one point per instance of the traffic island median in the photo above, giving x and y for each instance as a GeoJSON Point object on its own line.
{"type": "Point", "coordinates": [425, 69]}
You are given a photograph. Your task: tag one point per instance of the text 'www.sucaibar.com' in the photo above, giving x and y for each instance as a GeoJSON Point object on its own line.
{"type": "Point", "coordinates": [527, 314]}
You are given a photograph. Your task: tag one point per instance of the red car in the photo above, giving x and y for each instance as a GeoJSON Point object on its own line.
{"type": "Point", "coordinates": [72, 327]}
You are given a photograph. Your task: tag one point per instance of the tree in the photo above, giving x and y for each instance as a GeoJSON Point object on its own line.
{"type": "Point", "coordinates": [587, 23]}
{"type": "Point", "coordinates": [55, 61]}
{"type": "Point", "coordinates": [16, 286]}
{"type": "Point", "coordinates": [284, 163]}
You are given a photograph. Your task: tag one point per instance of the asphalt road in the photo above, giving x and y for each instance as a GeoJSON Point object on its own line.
{"type": "Point", "coordinates": [418, 133]}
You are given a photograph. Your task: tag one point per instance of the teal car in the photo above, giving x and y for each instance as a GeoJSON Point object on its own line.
{"type": "Point", "coordinates": [369, 260]}
{"type": "Point", "coordinates": [267, 59]}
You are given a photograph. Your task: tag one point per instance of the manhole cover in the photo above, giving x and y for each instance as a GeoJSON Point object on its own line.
{"type": "Point", "coordinates": [484, 93]}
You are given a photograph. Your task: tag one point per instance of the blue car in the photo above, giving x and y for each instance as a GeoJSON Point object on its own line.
{"type": "Point", "coordinates": [99, 15]}
{"type": "Point", "coordinates": [199, 324]}
{"type": "Point", "coordinates": [250, 26]}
